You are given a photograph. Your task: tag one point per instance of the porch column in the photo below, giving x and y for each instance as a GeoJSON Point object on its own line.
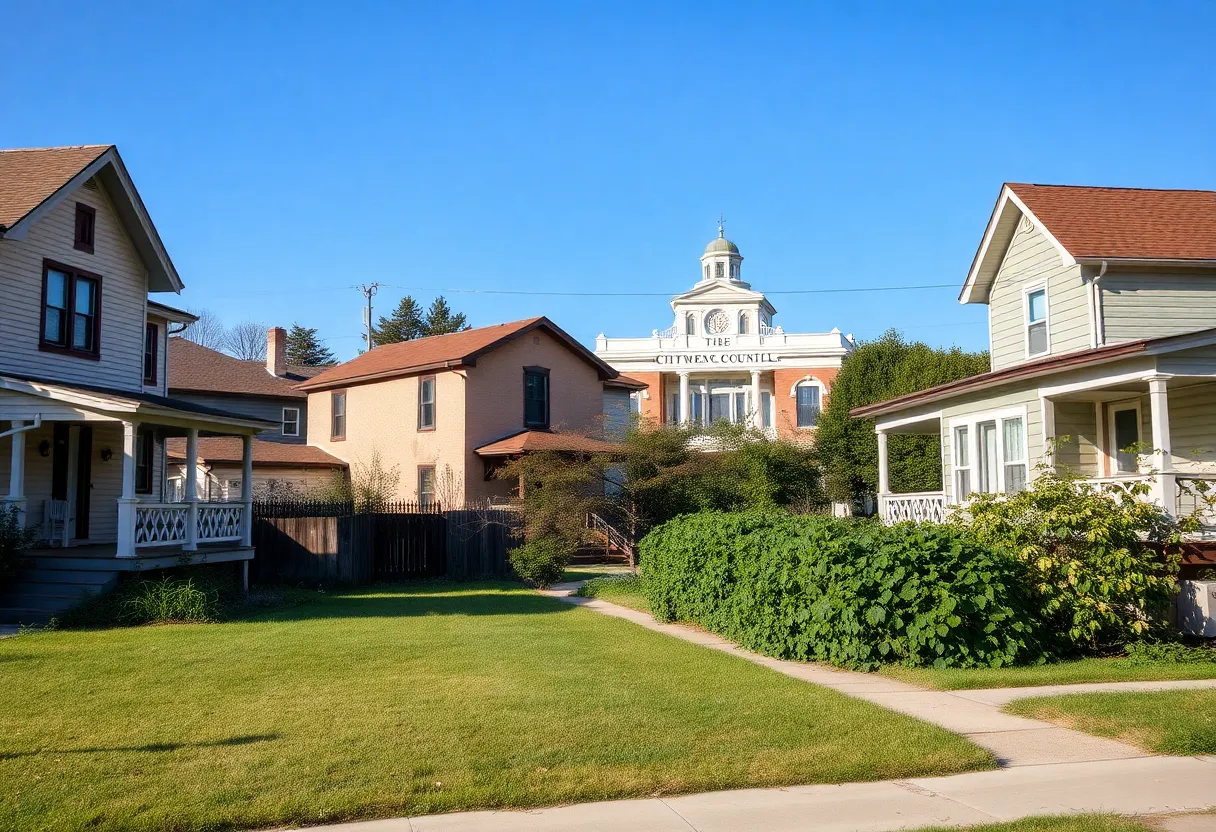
{"type": "Point", "coordinates": [757, 415]}
{"type": "Point", "coordinates": [127, 502]}
{"type": "Point", "coordinates": [884, 474]}
{"type": "Point", "coordinates": [16, 472]}
{"type": "Point", "coordinates": [1162, 458]}
{"type": "Point", "coordinates": [191, 490]}
{"type": "Point", "coordinates": [247, 491]}
{"type": "Point", "coordinates": [685, 399]}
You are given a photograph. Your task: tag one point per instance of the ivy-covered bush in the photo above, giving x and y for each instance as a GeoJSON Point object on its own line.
{"type": "Point", "coordinates": [541, 561]}
{"type": "Point", "coordinates": [849, 592]}
{"type": "Point", "coordinates": [1100, 563]}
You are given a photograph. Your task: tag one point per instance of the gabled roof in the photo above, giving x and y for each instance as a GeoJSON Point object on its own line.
{"type": "Point", "coordinates": [33, 181]}
{"type": "Point", "coordinates": [1090, 225]}
{"type": "Point", "coordinates": [725, 290]}
{"type": "Point", "coordinates": [171, 313]}
{"type": "Point", "coordinates": [534, 441]}
{"type": "Point", "coordinates": [458, 349]}
{"type": "Point", "coordinates": [197, 369]}
{"type": "Point", "coordinates": [228, 449]}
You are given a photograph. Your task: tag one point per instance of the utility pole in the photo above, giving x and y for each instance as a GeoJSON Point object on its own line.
{"type": "Point", "coordinates": [368, 291]}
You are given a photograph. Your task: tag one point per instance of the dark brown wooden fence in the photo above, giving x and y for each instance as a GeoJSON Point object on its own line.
{"type": "Point", "coordinates": [327, 543]}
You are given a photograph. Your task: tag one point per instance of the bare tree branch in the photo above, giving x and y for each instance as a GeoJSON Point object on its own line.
{"type": "Point", "coordinates": [247, 340]}
{"type": "Point", "coordinates": [208, 331]}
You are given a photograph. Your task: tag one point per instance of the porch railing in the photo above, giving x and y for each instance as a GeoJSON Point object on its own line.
{"type": "Point", "coordinates": [168, 524]}
{"type": "Point", "coordinates": [918, 507]}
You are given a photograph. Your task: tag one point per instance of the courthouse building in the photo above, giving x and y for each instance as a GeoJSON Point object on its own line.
{"type": "Point", "coordinates": [723, 357]}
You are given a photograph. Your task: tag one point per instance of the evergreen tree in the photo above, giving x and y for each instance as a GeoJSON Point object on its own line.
{"type": "Point", "coordinates": [304, 347]}
{"type": "Point", "coordinates": [874, 372]}
{"type": "Point", "coordinates": [405, 324]}
{"type": "Point", "coordinates": [441, 321]}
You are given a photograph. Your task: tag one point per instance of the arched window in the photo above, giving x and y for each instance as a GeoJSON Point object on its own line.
{"type": "Point", "coordinates": [808, 400]}
{"type": "Point", "coordinates": [690, 324]}
{"type": "Point", "coordinates": [744, 323]}
{"type": "Point", "coordinates": [734, 271]}
{"type": "Point", "coordinates": [707, 271]}
{"type": "Point", "coordinates": [719, 270]}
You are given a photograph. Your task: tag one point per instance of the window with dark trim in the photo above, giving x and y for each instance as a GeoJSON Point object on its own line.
{"type": "Point", "coordinates": [808, 405]}
{"type": "Point", "coordinates": [426, 485]}
{"type": "Point", "coordinates": [426, 403]}
{"type": "Point", "coordinates": [71, 303]}
{"type": "Point", "coordinates": [337, 415]}
{"type": "Point", "coordinates": [86, 221]}
{"type": "Point", "coordinates": [536, 397]}
{"type": "Point", "coordinates": [151, 342]}
{"type": "Point", "coordinates": [144, 449]}
{"type": "Point", "coordinates": [291, 421]}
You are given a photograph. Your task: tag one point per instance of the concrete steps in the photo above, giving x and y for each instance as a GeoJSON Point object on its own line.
{"type": "Point", "coordinates": [45, 591]}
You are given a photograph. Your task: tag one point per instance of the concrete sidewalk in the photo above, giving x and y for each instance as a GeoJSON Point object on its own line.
{"type": "Point", "coordinates": [1150, 785]}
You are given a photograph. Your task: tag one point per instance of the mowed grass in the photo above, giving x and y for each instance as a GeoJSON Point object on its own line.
{"type": "Point", "coordinates": [411, 700]}
{"type": "Point", "coordinates": [1068, 823]}
{"type": "Point", "coordinates": [1058, 673]}
{"type": "Point", "coordinates": [625, 590]}
{"type": "Point", "coordinates": [1168, 722]}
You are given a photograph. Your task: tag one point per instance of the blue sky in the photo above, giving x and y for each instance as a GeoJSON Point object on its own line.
{"type": "Point", "coordinates": [290, 151]}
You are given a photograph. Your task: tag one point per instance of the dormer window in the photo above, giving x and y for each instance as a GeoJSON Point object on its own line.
{"type": "Point", "coordinates": [86, 219]}
{"type": "Point", "coordinates": [1037, 342]}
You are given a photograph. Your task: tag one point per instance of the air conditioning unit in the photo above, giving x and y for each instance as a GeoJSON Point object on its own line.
{"type": "Point", "coordinates": [1197, 608]}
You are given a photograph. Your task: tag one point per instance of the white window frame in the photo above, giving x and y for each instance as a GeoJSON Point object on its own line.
{"type": "Point", "coordinates": [971, 421]}
{"type": "Point", "coordinates": [296, 420]}
{"type": "Point", "coordinates": [1027, 291]}
{"type": "Point", "coordinates": [809, 381]}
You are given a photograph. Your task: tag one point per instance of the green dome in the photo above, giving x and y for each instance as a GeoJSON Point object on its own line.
{"type": "Point", "coordinates": [721, 244]}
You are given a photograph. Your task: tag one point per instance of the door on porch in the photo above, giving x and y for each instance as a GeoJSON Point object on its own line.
{"type": "Point", "coordinates": [1123, 436]}
{"type": "Point", "coordinates": [72, 475]}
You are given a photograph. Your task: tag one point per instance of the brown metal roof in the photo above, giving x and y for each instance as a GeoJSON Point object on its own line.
{"type": "Point", "coordinates": [198, 369]}
{"type": "Point", "coordinates": [1125, 223]}
{"type": "Point", "coordinates": [30, 177]}
{"type": "Point", "coordinates": [532, 441]}
{"type": "Point", "coordinates": [227, 449]}
{"type": "Point", "coordinates": [442, 352]}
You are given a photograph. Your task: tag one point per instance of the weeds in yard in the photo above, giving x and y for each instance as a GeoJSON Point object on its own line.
{"type": "Point", "coordinates": [169, 600]}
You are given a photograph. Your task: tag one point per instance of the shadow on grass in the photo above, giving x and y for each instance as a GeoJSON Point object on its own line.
{"type": "Point", "coordinates": [415, 600]}
{"type": "Point", "coordinates": [248, 739]}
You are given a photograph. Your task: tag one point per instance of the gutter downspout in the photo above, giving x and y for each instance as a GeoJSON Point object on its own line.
{"type": "Point", "coordinates": [36, 424]}
{"type": "Point", "coordinates": [1097, 320]}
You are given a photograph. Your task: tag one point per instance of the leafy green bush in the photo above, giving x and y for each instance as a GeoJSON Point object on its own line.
{"type": "Point", "coordinates": [1099, 564]}
{"type": "Point", "coordinates": [540, 561]}
{"type": "Point", "coordinates": [14, 540]}
{"type": "Point", "coordinates": [169, 600]}
{"type": "Point", "coordinates": [1171, 652]}
{"type": "Point", "coordinates": [849, 592]}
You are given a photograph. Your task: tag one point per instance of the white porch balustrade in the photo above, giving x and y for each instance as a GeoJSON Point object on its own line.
{"type": "Point", "coordinates": [919, 507]}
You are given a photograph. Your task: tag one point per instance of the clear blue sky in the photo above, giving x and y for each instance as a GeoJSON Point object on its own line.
{"type": "Point", "coordinates": [289, 151]}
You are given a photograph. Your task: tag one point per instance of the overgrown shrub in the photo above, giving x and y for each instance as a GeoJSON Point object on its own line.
{"type": "Point", "coordinates": [1100, 564]}
{"type": "Point", "coordinates": [849, 592]}
{"type": "Point", "coordinates": [14, 540]}
{"type": "Point", "coordinates": [169, 600]}
{"type": "Point", "coordinates": [540, 561]}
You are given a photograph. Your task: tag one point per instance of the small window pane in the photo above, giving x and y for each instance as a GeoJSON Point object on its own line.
{"type": "Point", "coordinates": [1037, 333]}
{"type": "Point", "coordinates": [808, 406]}
{"type": "Point", "coordinates": [56, 289]}
{"type": "Point", "coordinates": [82, 332]}
{"type": "Point", "coordinates": [740, 408]}
{"type": "Point", "coordinates": [719, 407]}
{"type": "Point", "coordinates": [426, 485]}
{"type": "Point", "coordinates": [426, 403]}
{"type": "Point", "coordinates": [673, 413]}
{"type": "Point", "coordinates": [988, 480]}
{"type": "Point", "coordinates": [962, 481]}
{"type": "Point", "coordinates": [1015, 478]}
{"type": "Point", "coordinates": [962, 447]}
{"type": "Point", "coordinates": [1013, 440]}
{"type": "Point", "coordinates": [84, 296]}
{"type": "Point", "coordinates": [766, 409]}
{"type": "Point", "coordinates": [1038, 305]}
{"type": "Point", "coordinates": [54, 326]}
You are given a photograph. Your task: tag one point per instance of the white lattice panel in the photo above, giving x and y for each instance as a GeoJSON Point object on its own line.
{"type": "Point", "coordinates": [915, 508]}
{"type": "Point", "coordinates": [160, 525]}
{"type": "Point", "coordinates": [219, 522]}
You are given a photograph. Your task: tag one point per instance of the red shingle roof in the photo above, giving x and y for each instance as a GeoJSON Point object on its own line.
{"type": "Point", "coordinates": [531, 441]}
{"type": "Point", "coordinates": [443, 351]}
{"type": "Point", "coordinates": [30, 177]}
{"type": "Point", "coordinates": [197, 369]}
{"type": "Point", "coordinates": [227, 449]}
{"type": "Point", "coordinates": [1130, 223]}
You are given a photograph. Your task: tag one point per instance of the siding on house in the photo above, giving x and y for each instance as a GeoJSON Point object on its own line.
{"type": "Point", "coordinates": [1192, 428]}
{"type": "Point", "coordinates": [1138, 306]}
{"type": "Point", "coordinates": [1032, 259]}
{"type": "Point", "coordinates": [124, 284]}
{"type": "Point", "coordinates": [978, 404]}
{"type": "Point", "coordinates": [616, 412]}
{"type": "Point", "coordinates": [161, 388]}
{"type": "Point", "coordinates": [1078, 453]}
{"type": "Point", "coordinates": [258, 407]}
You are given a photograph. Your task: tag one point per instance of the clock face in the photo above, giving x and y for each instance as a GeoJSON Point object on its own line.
{"type": "Point", "coordinates": [717, 322]}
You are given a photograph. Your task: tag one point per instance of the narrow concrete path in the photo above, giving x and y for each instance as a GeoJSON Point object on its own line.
{"type": "Point", "coordinates": [976, 714]}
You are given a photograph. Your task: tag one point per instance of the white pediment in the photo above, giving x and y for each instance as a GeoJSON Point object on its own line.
{"type": "Point", "coordinates": [722, 292]}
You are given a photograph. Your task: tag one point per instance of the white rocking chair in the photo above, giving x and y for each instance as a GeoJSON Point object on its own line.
{"type": "Point", "coordinates": [55, 522]}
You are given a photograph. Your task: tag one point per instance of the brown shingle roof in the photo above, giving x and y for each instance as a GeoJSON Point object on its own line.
{"type": "Point", "coordinates": [197, 369]}
{"type": "Point", "coordinates": [1130, 223]}
{"type": "Point", "coordinates": [30, 177]}
{"type": "Point", "coordinates": [442, 351]}
{"type": "Point", "coordinates": [531, 441]}
{"type": "Point", "coordinates": [227, 449]}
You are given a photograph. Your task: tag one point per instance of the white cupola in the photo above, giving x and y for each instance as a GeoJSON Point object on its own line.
{"type": "Point", "coordinates": [721, 260]}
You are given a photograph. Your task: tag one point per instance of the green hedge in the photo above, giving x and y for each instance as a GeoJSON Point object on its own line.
{"type": "Point", "coordinates": [849, 592]}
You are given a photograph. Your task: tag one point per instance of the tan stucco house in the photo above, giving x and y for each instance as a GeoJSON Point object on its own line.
{"type": "Point", "coordinates": [1102, 324]}
{"type": "Point", "coordinates": [447, 409]}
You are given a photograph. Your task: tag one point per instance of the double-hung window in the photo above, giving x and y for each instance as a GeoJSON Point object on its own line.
{"type": "Point", "coordinates": [1036, 323]}
{"type": "Point", "coordinates": [426, 403]}
{"type": "Point", "coordinates": [151, 343]}
{"type": "Point", "coordinates": [426, 485]}
{"type": "Point", "coordinates": [337, 415]}
{"type": "Point", "coordinates": [808, 405]}
{"type": "Point", "coordinates": [990, 455]}
{"type": "Point", "coordinates": [536, 397]}
{"type": "Point", "coordinates": [86, 224]}
{"type": "Point", "coordinates": [291, 421]}
{"type": "Point", "coordinates": [71, 302]}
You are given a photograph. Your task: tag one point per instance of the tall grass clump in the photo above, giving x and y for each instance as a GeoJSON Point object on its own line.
{"type": "Point", "coordinates": [168, 600]}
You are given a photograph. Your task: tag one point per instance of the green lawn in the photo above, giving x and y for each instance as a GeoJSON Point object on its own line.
{"type": "Point", "coordinates": [1071, 823]}
{"type": "Point", "coordinates": [411, 699]}
{"type": "Point", "coordinates": [625, 590]}
{"type": "Point", "coordinates": [585, 572]}
{"type": "Point", "coordinates": [1059, 673]}
{"type": "Point", "coordinates": [1168, 722]}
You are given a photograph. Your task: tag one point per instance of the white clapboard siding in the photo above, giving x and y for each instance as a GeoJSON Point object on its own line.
{"type": "Point", "coordinates": [123, 291]}
{"type": "Point", "coordinates": [977, 403]}
{"type": "Point", "coordinates": [1031, 259]}
{"type": "Point", "coordinates": [1079, 452]}
{"type": "Point", "coordinates": [1138, 306]}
